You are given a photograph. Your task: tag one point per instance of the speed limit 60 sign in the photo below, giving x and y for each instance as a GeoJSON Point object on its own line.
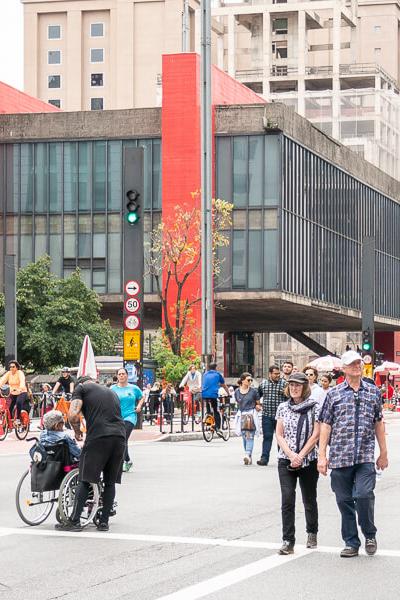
{"type": "Point", "coordinates": [132, 305]}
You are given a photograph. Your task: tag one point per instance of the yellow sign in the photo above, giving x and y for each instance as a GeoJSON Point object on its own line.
{"type": "Point", "coordinates": [367, 371]}
{"type": "Point", "coordinates": [131, 345]}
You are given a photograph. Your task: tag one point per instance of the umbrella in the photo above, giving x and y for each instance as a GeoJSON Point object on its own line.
{"type": "Point", "coordinates": [326, 363]}
{"type": "Point", "coordinates": [388, 366]}
{"type": "Point", "coordinates": [87, 362]}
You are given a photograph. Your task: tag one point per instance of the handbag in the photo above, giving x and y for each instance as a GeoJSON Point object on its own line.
{"type": "Point", "coordinates": [247, 422]}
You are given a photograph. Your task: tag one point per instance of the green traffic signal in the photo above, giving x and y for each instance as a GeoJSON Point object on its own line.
{"type": "Point", "coordinates": [132, 218]}
{"type": "Point", "coordinates": [132, 215]}
{"type": "Point", "coordinates": [366, 346]}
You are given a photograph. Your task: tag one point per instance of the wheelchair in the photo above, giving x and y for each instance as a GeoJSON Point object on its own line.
{"type": "Point", "coordinates": [52, 480]}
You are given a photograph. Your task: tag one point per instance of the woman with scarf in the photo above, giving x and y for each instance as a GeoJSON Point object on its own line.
{"type": "Point", "coordinates": [297, 433]}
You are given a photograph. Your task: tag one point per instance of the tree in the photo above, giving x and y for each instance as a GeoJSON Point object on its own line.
{"type": "Point", "coordinates": [173, 258]}
{"type": "Point", "coordinates": [54, 315]}
{"type": "Point", "coordinates": [171, 367]}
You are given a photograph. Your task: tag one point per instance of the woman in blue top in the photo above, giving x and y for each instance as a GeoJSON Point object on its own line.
{"type": "Point", "coordinates": [131, 401]}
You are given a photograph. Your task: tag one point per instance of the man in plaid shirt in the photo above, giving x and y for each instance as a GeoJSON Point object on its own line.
{"type": "Point", "coordinates": [271, 395]}
{"type": "Point", "coordinates": [351, 419]}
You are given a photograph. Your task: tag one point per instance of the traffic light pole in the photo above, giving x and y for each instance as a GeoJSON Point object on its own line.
{"type": "Point", "coordinates": [368, 292]}
{"type": "Point", "coordinates": [206, 186]}
{"type": "Point", "coordinates": [133, 263]}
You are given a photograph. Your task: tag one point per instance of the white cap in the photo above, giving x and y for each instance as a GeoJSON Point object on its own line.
{"type": "Point", "coordinates": [350, 356]}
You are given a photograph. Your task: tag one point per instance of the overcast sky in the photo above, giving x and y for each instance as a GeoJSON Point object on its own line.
{"type": "Point", "coordinates": [11, 43]}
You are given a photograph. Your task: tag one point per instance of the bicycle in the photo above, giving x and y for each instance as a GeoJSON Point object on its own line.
{"type": "Point", "coordinates": [8, 421]}
{"type": "Point", "coordinates": [189, 408]}
{"type": "Point", "coordinates": [35, 506]}
{"type": "Point", "coordinates": [208, 424]}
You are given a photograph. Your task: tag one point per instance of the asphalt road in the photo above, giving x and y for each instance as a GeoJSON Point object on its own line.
{"type": "Point", "coordinates": [194, 522]}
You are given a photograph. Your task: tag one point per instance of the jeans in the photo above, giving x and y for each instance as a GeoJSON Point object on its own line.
{"type": "Point", "coordinates": [248, 441]}
{"type": "Point", "coordinates": [268, 427]}
{"type": "Point", "coordinates": [129, 427]}
{"type": "Point", "coordinates": [354, 490]}
{"type": "Point", "coordinates": [308, 479]}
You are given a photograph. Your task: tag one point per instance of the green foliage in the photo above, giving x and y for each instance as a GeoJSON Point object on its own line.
{"type": "Point", "coordinates": [54, 315]}
{"type": "Point", "coordinates": [172, 367]}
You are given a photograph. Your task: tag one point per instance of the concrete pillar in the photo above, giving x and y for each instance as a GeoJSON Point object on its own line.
{"type": "Point", "coordinates": [220, 51]}
{"type": "Point", "coordinates": [266, 354]}
{"type": "Point", "coordinates": [74, 61]}
{"type": "Point", "coordinates": [31, 54]}
{"type": "Point", "coordinates": [301, 60]}
{"type": "Point", "coordinates": [378, 108]}
{"type": "Point", "coordinates": [267, 51]}
{"type": "Point", "coordinates": [336, 70]}
{"type": "Point", "coordinates": [231, 45]}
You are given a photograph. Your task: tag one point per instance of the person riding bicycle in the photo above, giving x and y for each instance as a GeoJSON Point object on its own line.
{"type": "Point", "coordinates": [212, 381]}
{"type": "Point", "coordinates": [66, 382]}
{"type": "Point", "coordinates": [192, 380]}
{"type": "Point", "coordinates": [18, 390]}
{"type": "Point", "coordinates": [103, 450]}
{"type": "Point", "coordinates": [54, 433]}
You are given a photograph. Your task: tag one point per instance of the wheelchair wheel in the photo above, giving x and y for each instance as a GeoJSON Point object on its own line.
{"type": "Point", "coordinates": [33, 507]}
{"type": "Point", "coordinates": [207, 427]}
{"type": "Point", "coordinates": [66, 498]}
{"type": "Point", "coordinates": [225, 428]}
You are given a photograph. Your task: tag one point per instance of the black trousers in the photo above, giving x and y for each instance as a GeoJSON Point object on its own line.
{"type": "Point", "coordinates": [213, 403]}
{"type": "Point", "coordinates": [308, 479]}
{"type": "Point", "coordinates": [129, 427]}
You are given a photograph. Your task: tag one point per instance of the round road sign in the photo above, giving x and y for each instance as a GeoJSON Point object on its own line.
{"type": "Point", "coordinates": [132, 322]}
{"type": "Point", "coordinates": [132, 288]}
{"type": "Point", "coordinates": [132, 305]}
{"type": "Point", "coordinates": [367, 359]}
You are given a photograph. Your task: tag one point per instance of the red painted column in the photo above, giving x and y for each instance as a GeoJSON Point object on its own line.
{"type": "Point", "coordinates": [181, 148]}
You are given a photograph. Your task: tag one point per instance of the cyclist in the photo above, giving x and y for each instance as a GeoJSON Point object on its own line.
{"type": "Point", "coordinates": [212, 381]}
{"type": "Point", "coordinates": [18, 390]}
{"type": "Point", "coordinates": [66, 382]}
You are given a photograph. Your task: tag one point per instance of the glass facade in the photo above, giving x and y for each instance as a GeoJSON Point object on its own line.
{"type": "Point", "coordinates": [66, 199]}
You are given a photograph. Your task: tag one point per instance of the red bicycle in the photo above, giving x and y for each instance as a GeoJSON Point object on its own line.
{"type": "Point", "coordinates": [8, 421]}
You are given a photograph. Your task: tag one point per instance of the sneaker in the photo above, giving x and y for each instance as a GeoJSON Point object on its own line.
{"type": "Point", "coordinates": [68, 526]}
{"type": "Point", "coordinates": [262, 462]}
{"type": "Point", "coordinates": [286, 548]}
{"type": "Point", "coordinates": [246, 460]}
{"type": "Point", "coordinates": [129, 466]}
{"type": "Point", "coordinates": [371, 546]}
{"type": "Point", "coordinates": [349, 552]}
{"type": "Point", "coordinates": [103, 527]}
{"type": "Point", "coordinates": [250, 460]}
{"type": "Point", "coordinates": [311, 540]}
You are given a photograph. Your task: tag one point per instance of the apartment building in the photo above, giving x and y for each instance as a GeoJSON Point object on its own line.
{"type": "Point", "coordinates": [102, 54]}
{"type": "Point", "coordinates": [336, 62]}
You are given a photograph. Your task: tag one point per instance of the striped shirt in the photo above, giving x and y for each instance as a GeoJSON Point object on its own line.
{"type": "Point", "coordinates": [272, 395]}
{"type": "Point", "coordinates": [352, 416]}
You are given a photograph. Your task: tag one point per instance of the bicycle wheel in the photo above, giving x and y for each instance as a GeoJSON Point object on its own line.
{"type": "Point", "coordinates": [33, 507]}
{"type": "Point", "coordinates": [66, 498]}
{"type": "Point", "coordinates": [3, 426]}
{"type": "Point", "coordinates": [22, 428]}
{"type": "Point", "coordinates": [225, 428]}
{"type": "Point", "coordinates": [207, 427]}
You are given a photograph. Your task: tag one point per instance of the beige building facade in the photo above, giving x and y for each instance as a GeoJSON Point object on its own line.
{"type": "Point", "coordinates": [102, 54]}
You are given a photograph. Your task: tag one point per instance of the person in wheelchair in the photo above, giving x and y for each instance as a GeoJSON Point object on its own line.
{"type": "Point", "coordinates": [54, 433]}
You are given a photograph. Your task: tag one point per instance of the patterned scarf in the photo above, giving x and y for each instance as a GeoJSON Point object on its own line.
{"type": "Point", "coordinates": [306, 420]}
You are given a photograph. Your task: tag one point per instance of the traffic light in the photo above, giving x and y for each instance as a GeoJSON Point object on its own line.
{"type": "Point", "coordinates": [132, 207]}
{"type": "Point", "coordinates": [379, 356]}
{"type": "Point", "coordinates": [366, 340]}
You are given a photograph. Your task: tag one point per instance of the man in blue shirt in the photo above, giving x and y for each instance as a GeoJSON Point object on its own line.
{"type": "Point", "coordinates": [212, 381]}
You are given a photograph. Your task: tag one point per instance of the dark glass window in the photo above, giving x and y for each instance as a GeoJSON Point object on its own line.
{"type": "Point", "coordinates": [239, 259]}
{"type": "Point", "coordinates": [256, 168]}
{"type": "Point", "coordinates": [156, 173]}
{"type": "Point", "coordinates": [84, 176]}
{"type": "Point", "coordinates": [99, 175]}
{"type": "Point", "coordinates": [96, 29]}
{"type": "Point", "coordinates": [55, 103]}
{"type": "Point", "coordinates": [26, 177]}
{"type": "Point", "coordinates": [114, 175]}
{"type": "Point", "coordinates": [96, 79]}
{"type": "Point", "coordinates": [54, 81]}
{"type": "Point", "coordinates": [54, 57]}
{"type": "Point", "coordinates": [96, 103]}
{"type": "Point", "coordinates": [54, 32]}
{"type": "Point", "coordinates": [41, 177]}
{"type": "Point", "coordinates": [55, 177]}
{"type": "Point", "coordinates": [240, 170]}
{"type": "Point", "coordinates": [70, 176]}
{"type": "Point", "coordinates": [96, 55]}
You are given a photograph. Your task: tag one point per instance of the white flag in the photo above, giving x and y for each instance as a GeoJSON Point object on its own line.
{"type": "Point", "coordinates": [87, 363]}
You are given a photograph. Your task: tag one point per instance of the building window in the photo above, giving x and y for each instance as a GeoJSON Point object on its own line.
{"type": "Point", "coordinates": [280, 26]}
{"type": "Point", "coordinates": [96, 55]}
{"type": "Point", "coordinates": [96, 103]}
{"type": "Point", "coordinates": [55, 103]}
{"type": "Point", "coordinates": [54, 81]}
{"type": "Point", "coordinates": [377, 28]}
{"type": "Point", "coordinates": [377, 51]}
{"type": "Point", "coordinates": [54, 57]}
{"type": "Point", "coordinates": [96, 79]}
{"type": "Point", "coordinates": [54, 32]}
{"type": "Point", "coordinates": [281, 51]}
{"type": "Point", "coordinates": [96, 29]}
